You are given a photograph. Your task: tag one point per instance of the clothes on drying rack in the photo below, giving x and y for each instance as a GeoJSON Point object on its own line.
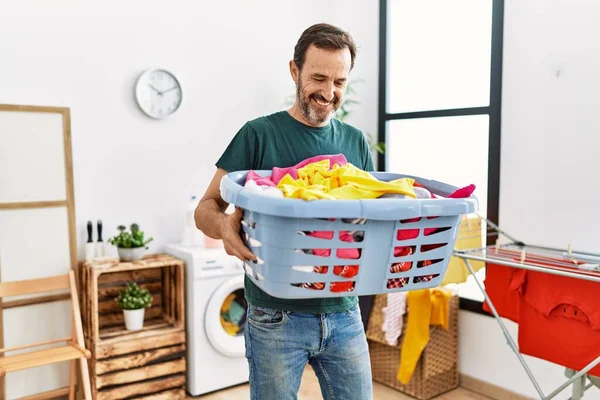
{"type": "Point", "coordinates": [559, 318]}
{"type": "Point", "coordinates": [497, 284]}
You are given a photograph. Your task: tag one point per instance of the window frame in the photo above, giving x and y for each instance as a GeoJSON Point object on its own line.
{"type": "Point", "coordinates": [494, 111]}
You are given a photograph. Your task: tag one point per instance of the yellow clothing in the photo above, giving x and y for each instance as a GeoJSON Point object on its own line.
{"type": "Point", "coordinates": [227, 303]}
{"type": "Point", "coordinates": [318, 181]}
{"type": "Point", "coordinates": [425, 307]}
{"type": "Point", "coordinates": [469, 237]}
{"type": "Point", "coordinates": [229, 327]}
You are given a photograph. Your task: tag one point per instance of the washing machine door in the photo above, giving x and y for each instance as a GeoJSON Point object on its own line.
{"type": "Point", "coordinates": [225, 318]}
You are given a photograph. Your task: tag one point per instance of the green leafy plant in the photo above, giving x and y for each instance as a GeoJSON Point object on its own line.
{"type": "Point", "coordinates": [132, 297]}
{"type": "Point", "coordinates": [345, 110]}
{"type": "Point", "coordinates": [129, 239]}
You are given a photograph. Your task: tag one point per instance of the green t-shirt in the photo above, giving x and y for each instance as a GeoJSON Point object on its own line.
{"type": "Point", "coordinates": [279, 140]}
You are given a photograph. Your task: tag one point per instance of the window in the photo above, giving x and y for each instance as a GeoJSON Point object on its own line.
{"type": "Point", "coordinates": [440, 97]}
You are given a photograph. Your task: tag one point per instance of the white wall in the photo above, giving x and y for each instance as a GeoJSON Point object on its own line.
{"type": "Point", "coordinates": [549, 158]}
{"type": "Point", "coordinates": [231, 57]}
{"type": "Point", "coordinates": [232, 60]}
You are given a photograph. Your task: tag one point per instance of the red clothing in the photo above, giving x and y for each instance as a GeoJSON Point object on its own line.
{"type": "Point", "coordinates": [347, 271]}
{"type": "Point", "coordinates": [559, 319]}
{"type": "Point", "coordinates": [497, 285]}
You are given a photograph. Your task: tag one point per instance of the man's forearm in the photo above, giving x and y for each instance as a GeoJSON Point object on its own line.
{"type": "Point", "coordinates": [209, 218]}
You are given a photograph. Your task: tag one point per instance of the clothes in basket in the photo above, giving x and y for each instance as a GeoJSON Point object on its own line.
{"type": "Point", "coordinates": [302, 241]}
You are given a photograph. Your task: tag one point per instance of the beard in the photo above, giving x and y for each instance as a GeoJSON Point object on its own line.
{"type": "Point", "coordinates": [312, 113]}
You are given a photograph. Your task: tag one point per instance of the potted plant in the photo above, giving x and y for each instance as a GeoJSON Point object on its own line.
{"type": "Point", "coordinates": [134, 300]}
{"type": "Point", "coordinates": [131, 245]}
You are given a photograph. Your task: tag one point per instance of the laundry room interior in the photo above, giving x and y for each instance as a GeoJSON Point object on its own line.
{"type": "Point", "coordinates": [143, 164]}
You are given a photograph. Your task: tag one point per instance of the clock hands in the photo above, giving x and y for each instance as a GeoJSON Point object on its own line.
{"type": "Point", "coordinates": [168, 90]}
{"type": "Point", "coordinates": [156, 90]}
{"type": "Point", "coordinates": [163, 92]}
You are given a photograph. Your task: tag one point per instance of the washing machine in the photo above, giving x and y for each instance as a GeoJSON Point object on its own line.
{"type": "Point", "coordinates": [215, 318]}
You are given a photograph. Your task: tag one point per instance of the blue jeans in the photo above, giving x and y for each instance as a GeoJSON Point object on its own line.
{"type": "Point", "coordinates": [280, 343]}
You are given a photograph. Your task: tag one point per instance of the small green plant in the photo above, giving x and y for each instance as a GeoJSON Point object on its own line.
{"type": "Point", "coordinates": [129, 240]}
{"type": "Point", "coordinates": [132, 297]}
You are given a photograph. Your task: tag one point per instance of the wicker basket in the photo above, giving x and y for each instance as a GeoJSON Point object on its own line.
{"type": "Point", "coordinates": [437, 369]}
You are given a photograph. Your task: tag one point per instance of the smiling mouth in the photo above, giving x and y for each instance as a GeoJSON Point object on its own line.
{"type": "Point", "coordinates": [321, 102]}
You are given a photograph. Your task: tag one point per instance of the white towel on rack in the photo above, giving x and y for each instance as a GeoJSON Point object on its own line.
{"type": "Point", "coordinates": [393, 314]}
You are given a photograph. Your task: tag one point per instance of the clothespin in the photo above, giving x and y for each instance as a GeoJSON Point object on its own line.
{"type": "Point", "coordinates": [569, 252]}
{"type": "Point", "coordinates": [522, 256]}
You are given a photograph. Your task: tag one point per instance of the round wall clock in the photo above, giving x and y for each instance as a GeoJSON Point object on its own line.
{"type": "Point", "coordinates": [158, 93]}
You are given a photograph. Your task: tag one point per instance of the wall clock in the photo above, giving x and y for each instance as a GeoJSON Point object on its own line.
{"type": "Point", "coordinates": [158, 93]}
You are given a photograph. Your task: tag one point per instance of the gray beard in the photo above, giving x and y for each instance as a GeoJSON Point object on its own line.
{"type": "Point", "coordinates": [308, 112]}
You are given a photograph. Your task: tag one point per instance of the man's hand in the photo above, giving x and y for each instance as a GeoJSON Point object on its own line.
{"type": "Point", "coordinates": [211, 219]}
{"type": "Point", "coordinates": [232, 241]}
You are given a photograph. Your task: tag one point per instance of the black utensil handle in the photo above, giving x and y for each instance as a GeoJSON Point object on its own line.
{"type": "Point", "coordinates": [99, 231]}
{"type": "Point", "coordinates": [89, 230]}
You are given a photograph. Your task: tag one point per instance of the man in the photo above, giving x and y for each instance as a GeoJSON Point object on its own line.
{"type": "Point", "coordinates": [282, 335]}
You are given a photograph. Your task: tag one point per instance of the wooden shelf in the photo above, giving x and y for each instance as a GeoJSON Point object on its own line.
{"type": "Point", "coordinates": [133, 362]}
{"type": "Point", "coordinates": [150, 326]}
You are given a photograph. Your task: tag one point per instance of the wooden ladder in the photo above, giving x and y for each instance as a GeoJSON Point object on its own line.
{"type": "Point", "coordinates": [71, 349]}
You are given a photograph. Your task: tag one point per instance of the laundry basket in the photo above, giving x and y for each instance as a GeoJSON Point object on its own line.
{"type": "Point", "coordinates": [302, 246]}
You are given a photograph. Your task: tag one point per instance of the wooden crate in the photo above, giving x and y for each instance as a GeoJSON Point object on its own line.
{"type": "Point", "coordinates": [151, 362]}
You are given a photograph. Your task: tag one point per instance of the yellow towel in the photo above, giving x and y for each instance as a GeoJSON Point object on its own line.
{"type": "Point", "coordinates": [318, 181]}
{"type": "Point", "coordinates": [425, 307]}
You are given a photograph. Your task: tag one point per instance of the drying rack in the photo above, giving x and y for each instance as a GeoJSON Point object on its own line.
{"type": "Point", "coordinates": [495, 254]}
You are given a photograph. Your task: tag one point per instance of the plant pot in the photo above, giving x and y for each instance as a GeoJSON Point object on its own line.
{"type": "Point", "coordinates": [134, 319]}
{"type": "Point", "coordinates": [131, 254]}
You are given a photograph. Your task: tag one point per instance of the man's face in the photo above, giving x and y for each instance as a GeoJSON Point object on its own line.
{"type": "Point", "coordinates": [321, 84]}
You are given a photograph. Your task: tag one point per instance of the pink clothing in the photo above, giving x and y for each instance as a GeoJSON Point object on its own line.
{"type": "Point", "coordinates": [260, 181]}
{"type": "Point", "coordinates": [278, 173]}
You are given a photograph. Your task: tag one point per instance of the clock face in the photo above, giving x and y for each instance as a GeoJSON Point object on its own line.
{"type": "Point", "coordinates": [158, 93]}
